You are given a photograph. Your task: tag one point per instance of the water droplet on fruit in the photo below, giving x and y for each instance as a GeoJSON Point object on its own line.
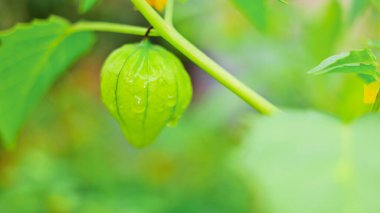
{"type": "Point", "coordinates": [139, 106]}
{"type": "Point", "coordinates": [130, 83]}
{"type": "Point", "coordinates": [171, 101]}
{"type": "Point", "coordinates": [138, 99]}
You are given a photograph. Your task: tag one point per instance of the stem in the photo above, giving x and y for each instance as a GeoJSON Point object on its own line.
{"type": "Point", "coordinates": [146, 36]}
{"type": "Point", "coordinates": [111, 27]}
{"type": "Point", "coordinates": [169, 12]}
{"type": "Point", "coordinates": [203, 61]}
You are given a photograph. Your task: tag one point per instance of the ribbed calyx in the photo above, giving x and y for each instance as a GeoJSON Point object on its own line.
{"type": "Point", "coordinates": [145, 87]}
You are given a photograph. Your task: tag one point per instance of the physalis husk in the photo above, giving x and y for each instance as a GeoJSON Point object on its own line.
{"type": "Point", "coordinates": [145, 87]}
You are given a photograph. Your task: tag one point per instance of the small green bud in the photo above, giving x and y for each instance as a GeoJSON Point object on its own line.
{"type": "Point", "coordinates": [145, 87]}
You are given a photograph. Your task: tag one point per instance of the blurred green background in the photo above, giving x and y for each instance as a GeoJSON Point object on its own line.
{"type": "Point", "coordinates": [71, 155]}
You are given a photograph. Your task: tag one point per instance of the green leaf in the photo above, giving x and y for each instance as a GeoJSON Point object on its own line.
{"type": "Point", "coordinates": [309, 162]}
{"type": "Point", "coordinates": [86, 5]}
{"type": "Point", "coordinates": [367, 78]}
{"type": "Point", "coordinates": [361, 62]}
{"type": "Point", "coordinates": [255, 11]}
{"type": "Point", "coordinates": [32, 57]}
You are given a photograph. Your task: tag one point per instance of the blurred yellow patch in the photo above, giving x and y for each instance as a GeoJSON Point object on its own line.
{"type": "Point", "coordinates": [370, 92]}
{"type": "Point", "coordinates": [158, 4]}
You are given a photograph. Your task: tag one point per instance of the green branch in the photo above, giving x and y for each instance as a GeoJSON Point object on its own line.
{"type": "Point", "coordinates": [202, 60]}
{"type": "Point", "coordinates": [111, 27]}
{"type": "Point", "coordinates": [169, 11]}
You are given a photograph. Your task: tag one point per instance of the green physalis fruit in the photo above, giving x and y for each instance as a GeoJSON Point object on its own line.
{"type": "Point", "coordinates": [145, 87]}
